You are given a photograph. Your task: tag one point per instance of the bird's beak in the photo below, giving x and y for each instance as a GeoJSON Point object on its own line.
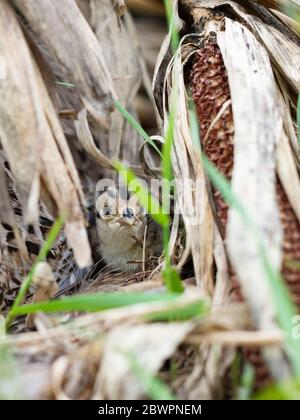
{"type": "Point", "coordinates": [125, 221]}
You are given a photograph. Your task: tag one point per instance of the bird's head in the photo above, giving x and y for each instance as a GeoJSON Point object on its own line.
{"type": "Point", "coordinates": [116, 211]}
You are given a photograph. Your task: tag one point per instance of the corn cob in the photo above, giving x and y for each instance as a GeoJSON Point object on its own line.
{"type": "Point", "coordinates": [210, 90]}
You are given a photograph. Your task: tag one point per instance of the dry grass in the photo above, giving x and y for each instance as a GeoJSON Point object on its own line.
{"type": "Point", "coordinates": [66, 66]}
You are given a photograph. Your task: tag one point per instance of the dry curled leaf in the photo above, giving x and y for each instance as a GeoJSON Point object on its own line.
{"type": "Point", "coordinates": [21, 131]}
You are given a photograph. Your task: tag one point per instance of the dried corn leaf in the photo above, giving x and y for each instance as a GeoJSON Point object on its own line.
{"type": "Point", "coordinates": [61, 179]}
{"type": "Point", "coordinates": [6, 211]}
{"type": "Point", "coordinates": [20, 116]}
{"type": "Point", "coordinates": [288, 174]}
{"type": "Point", "coordinates": [7, 214]}
{"type": "Point", "coordinates": [34, 144]}
{"type": "Point", "coordinates": [265, 180]}
{"type": "Point", "coordinates": [290, 22]}
{"type": "Point", "coordinates": [278, 4]}
{"type": "Point", "coordinates": [85, 137]}
{"type": "Point", "coordinates": [59, 137]}
{"type": "Point", "coordinates": [77, 51]}
{"type": "Point", "coordinates": [190, 182]}
{"type": "Point", "coordinates": [44, 286]}
{"type": "Point", "coordinates": [63, 191]}
{"type": "Point", "coordinates": [150, 345]}
{"type": "Point", "coordinates": [64, 349]}
{"type": "Point", "coordinates": [284, 52]}
{"type": "Point", "coordinates": [287, 105]}
{"type": "Point", "coordinates": [258, 127]}
{"type": "Point", "coordinates": [203, 237]}
{"type": "Point", "coordinates": [283, 46]}
{"type": "Point", "coordinates": [223, 283]}
{"type": "Point", "coordinates": [121, 58]}
{"type": "Point", "coordinates": [84, 7]}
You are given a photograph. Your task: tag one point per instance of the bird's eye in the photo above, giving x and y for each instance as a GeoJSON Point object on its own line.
{"type": "Point", "coordinates": [128, 213]}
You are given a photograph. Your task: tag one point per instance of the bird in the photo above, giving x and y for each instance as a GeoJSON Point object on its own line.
{"type": "Point", "coordinates": [128, 238]}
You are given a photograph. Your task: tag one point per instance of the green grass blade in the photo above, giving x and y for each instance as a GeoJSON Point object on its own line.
{"type": "Point", "coordinates": [178, 313]}
{"type": "Point", "coordinates": [10, 384]}
{"type": "Point", "coordinates": [283, 304]}
{"type": "Point", "coordinates": [170, 275]}
{"type": "Point", "coordinates": [150, 203]}
{"type": "Point", "coordinates": [171, 278]}
{"type": "Point", "coordinates": [291, 10]}
{"type": "Point", "coordinates": [152, 385]}
{"type": "Point", "coordinates": [235, 375]}
{"type": "Point", "coordinates": [2, 328]}
{"type": "Point", "coordinates": [94, 302]}
{"type": "Point", "coordinates": [53, 234]}
{"type": "Point", "coordinates": [172, 27]}
{"type": "Point", "coordinates": [136, 126]}
{"type": "Point", "coordinates": [287, 390]}
{"type": "Point", "coordinates": [167, 173]}
{"type": "Point", "coordinates": [247, 383]}
{"type": "Point", "coordinates": [67, 85]}
{"type": "Point", "coordinates": [194, 126]}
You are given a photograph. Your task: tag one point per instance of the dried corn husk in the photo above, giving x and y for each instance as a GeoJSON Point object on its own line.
{"type": "Point", "coordinates": [81, 61]}
{"type": "Point", "coordinates": [19, 93]}
{"type": "Point", "coordinates": [73, 360]}
{"type": "Point", "coordinates": [228, 122]}
{"type": "Point", "coordinates": [33, 139]}
{"type": "Point", "coordinates": [79, 359]}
